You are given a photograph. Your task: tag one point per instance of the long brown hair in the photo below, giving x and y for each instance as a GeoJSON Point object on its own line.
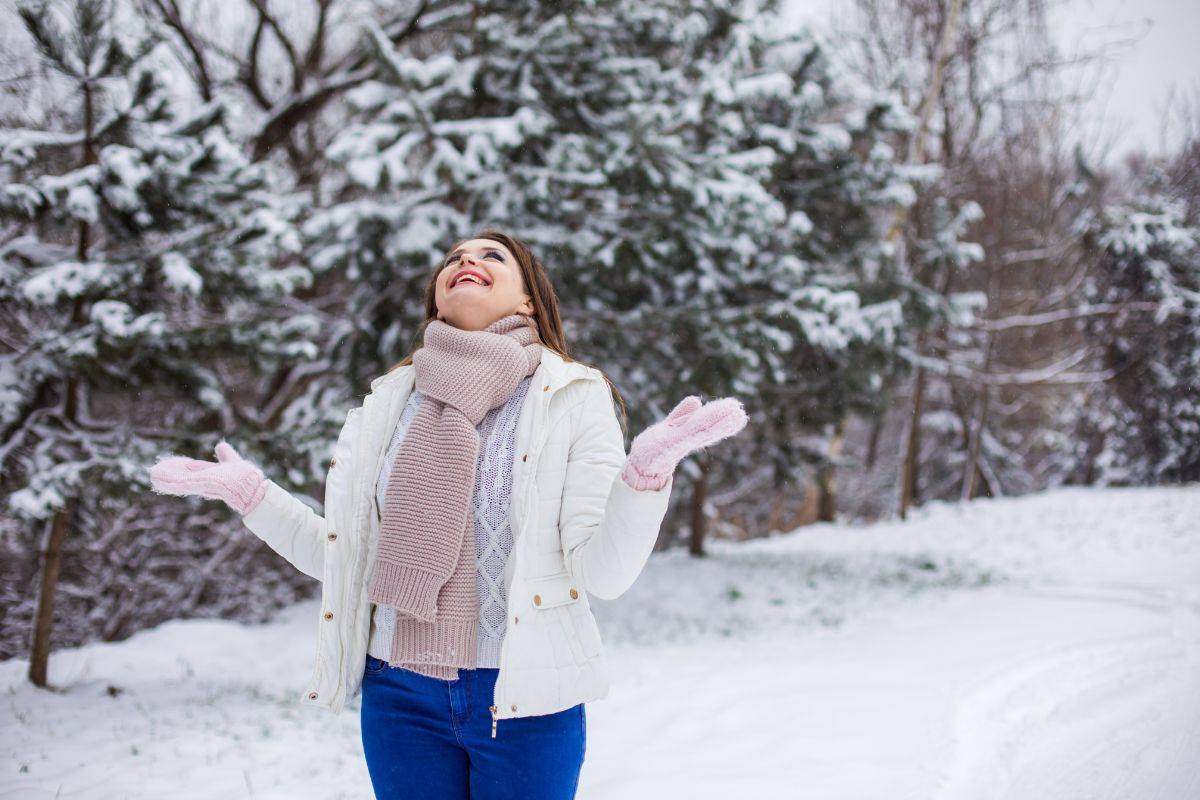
{"type": "Point", "coordinates": [541, 292]}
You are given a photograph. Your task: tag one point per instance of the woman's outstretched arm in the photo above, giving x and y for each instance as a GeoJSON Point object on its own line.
{"type": "Point", "coordinates": [613, 505]}
{"type": "Point", "coordinates": [289, 526]}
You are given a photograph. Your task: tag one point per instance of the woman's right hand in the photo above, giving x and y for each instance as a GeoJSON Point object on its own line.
{"type": "Point", "coordinates": [232, 479]}
{"type": "Point", "coordinates": [692, 424]}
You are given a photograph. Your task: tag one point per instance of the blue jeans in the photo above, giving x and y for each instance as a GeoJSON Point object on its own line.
{"type": "Point", "coordinates": [431, 738]}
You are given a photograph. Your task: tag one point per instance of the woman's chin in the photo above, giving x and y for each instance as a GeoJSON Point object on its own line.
{"type": "Point", "coordinates": [470, 319]}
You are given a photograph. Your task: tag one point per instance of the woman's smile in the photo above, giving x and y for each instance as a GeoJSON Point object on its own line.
{"type": "Point", "coordinates": [499, 286]}
{"type": "Point", "coordinates": [470, 277]}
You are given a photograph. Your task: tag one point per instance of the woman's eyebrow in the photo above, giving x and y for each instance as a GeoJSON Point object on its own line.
{"type": "Point", "coordinates": [486, 250]}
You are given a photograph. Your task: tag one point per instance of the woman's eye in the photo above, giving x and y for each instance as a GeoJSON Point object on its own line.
{"type": "Point", "coordinates": [454, 258]}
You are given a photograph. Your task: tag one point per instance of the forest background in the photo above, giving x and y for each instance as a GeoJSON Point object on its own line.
{"type": "Point", "coordinates": [892, 237]}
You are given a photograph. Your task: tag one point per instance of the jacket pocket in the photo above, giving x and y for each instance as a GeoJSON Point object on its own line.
{"type": "Point", "coordinates": [587, 631]}
{"type": "Point", "coordinates": [556, 596]}
{"type": "Point", "coordinates": [554, 590]}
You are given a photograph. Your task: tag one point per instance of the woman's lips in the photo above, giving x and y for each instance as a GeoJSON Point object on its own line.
{"type": "Point", "coordinates": [457, 280]}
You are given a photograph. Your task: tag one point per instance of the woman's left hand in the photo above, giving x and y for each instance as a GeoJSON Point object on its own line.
{"type": "Point", "coordinates": [656, 451]}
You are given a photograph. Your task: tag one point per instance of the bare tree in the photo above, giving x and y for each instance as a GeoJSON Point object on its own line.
{"type": "Point", "coordinates": [990, 91]}
{"type": "Point", "coordinates": [296, 62]}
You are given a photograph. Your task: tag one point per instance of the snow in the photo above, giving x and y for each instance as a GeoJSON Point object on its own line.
{"type": "Point", "coordinates": [117, 321]}
{"type": "Point", "coordinates": [1046, 646]}
{"type": "Point", "coordinates": [179, 275]}
{"type": "Point", "coordinates": [49, 285]}
{"type": "Point", "coordinates": [82, 203]}
{"type": "Point", "coordinates": [770, 85]}
{"type": "Point", "coordinates": [129, 171]}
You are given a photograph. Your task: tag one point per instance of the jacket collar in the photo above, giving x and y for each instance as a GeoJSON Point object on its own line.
{"type": "Point", "coordinates": [558, 372]}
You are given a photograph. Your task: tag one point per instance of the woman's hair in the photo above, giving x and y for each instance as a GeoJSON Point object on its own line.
{"type": "Point", "coordinates": [541, 292]}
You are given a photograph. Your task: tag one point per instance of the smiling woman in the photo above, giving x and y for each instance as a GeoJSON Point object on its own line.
{"type": "Point", "coordinates": [480, 494]}
{"type": "Point", "coordinates": [479, 282]}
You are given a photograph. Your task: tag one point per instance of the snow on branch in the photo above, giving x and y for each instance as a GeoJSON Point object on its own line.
{"type": "Point", "coordinates": [1060, 315]}
{"type": "Point", "coordinates": [1054, 373]}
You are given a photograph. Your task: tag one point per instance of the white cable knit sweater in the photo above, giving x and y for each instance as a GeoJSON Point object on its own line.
{"type": "Point", "coordinates": [493, 534]}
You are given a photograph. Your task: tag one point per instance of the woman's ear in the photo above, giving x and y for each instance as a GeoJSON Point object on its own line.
{"type": "Point", "coordinates": [526, 307]}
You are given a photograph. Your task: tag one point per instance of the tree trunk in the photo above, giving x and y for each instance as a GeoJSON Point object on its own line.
{"type": "Point", "coordinates": [1091, 471]}
{"type": "Point", "coordinates": [873, 441]}
{"type": "Point", "coordinates": [775, 518]}
{"type": "Point", "coordinates": [972, 465]}
{"type": "Point", "coordinates": [827, 502]}
{"type": "Point", "coordinates": [698, 520]}
{"type": "Point", "coordinates": [43, 622]}
{"type": "Point", "coordinates": [916, 155]}
{"type": "Point", "coordinates": [908, 483]}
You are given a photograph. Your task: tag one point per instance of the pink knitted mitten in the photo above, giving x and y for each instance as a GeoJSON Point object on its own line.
{"type": "Point", "coordinates": [656, 451]}
{"type": "Point", "coordinates": [232, 479]}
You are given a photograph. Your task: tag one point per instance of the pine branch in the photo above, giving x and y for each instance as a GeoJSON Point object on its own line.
{"type": "Point", "coordinates": [49, 39]}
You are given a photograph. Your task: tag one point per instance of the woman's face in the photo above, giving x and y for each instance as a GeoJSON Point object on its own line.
{"type": "Point", "coordinates": [479, 283]}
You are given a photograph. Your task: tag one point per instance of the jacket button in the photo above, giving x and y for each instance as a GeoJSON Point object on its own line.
{"type": "Point", "coordinates": [516, 620]}
{"type": "Point", "coordinates": [545, 388]}
{"type": "Point", "coordinates": [312, 695]}
{"type": "Point", "coordinates": [574, 594]}
{"type": "Point", "coordinates": [328, 615]}
{"type": "Point", "coordinates": [514, 707]}
{"type": "Point", "coordinates": [537, 599]}
{"type": "Point", "coordinates": [332, 461]}
{"type": "Point", "coordinates": [525, 457]}
{"type": "Point", "coordinates": [332, 535]}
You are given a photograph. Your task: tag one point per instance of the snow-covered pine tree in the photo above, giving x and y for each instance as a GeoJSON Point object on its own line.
{"type": "Point", "coordinates": [1143, 423]}
{"type": "Point", "coordinates": [477, 131]}
{"type": "Point", "coordinates": [144, 272]}
{"type": "Point", "coordinates": [705, 193]}
{"type": "Point", "coordinates": [817, 299]}
{"type": "Point", "coordinates": [937, 339]}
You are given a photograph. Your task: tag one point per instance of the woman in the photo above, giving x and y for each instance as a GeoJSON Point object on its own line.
{"type": "Point", "coordinates": [476, 497]}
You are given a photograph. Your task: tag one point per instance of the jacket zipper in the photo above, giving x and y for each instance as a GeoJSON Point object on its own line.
{"type": "Point", "coordinates": [338, 700]}
{"type": "Point", "coordinates": [504, 644]}
{"type": "Point", "coordinates": [366, 497]}
{"type": "Point", "coordinates": [529, 471]}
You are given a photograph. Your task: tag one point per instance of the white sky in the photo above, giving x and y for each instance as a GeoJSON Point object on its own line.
{"type": "Point", "coordinates": [1152, 47]}
{"type": "Point", "coordinates": [1153, 52]}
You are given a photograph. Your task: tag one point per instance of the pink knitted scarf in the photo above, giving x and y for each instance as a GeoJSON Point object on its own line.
{"type": "Point", "coordinates": [425, 562]}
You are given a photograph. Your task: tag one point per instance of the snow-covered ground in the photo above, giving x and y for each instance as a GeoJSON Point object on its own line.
{"type": "Point", "coordinates": [1045, 647]}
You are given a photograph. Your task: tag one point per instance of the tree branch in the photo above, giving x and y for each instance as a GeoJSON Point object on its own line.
{"type": "Point", "coordinates": [265, 16]}
{"type": "Point", "coordinates": [1049, 317]}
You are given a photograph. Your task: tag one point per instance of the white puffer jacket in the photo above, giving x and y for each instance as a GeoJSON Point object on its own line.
{"type": "Point", "coordinates": [577, 528]}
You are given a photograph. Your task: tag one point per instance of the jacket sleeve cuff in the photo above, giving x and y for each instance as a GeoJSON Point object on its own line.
{"type": "Point", "coordinates": [637, 480]}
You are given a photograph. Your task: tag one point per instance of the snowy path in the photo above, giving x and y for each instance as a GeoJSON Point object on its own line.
{"type": "Point", "coordinates": [1042, 648]}
{"type": "Point", "coordinates": [1113, 714]}
{"type": "Point", "coordinates": [1056, 693]}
